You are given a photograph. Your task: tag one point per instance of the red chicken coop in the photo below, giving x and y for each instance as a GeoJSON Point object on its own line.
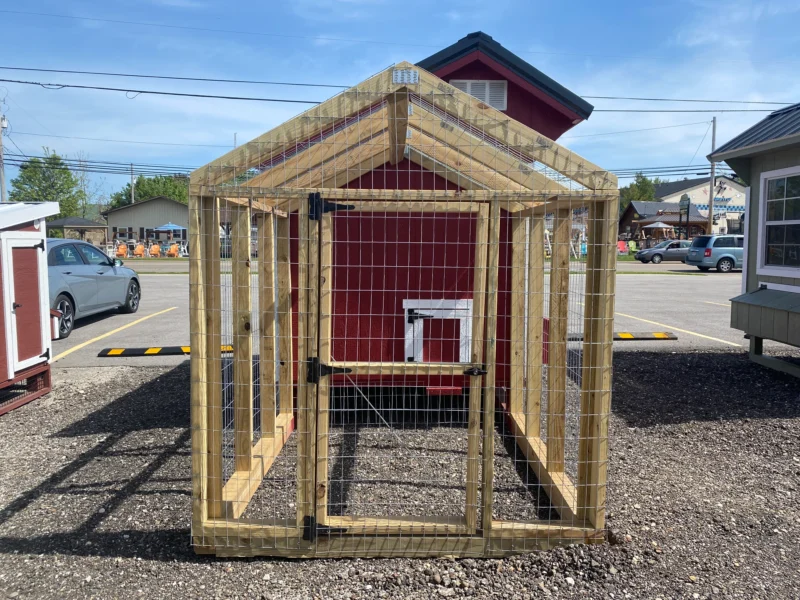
{"type": "Point", "coordinates": [25, 322]}
{"type": "Point", "coordinates": [349, 377]}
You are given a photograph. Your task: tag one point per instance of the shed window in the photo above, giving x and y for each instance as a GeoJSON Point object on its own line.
{"type": "Point", "coordinates": [493, 92]}
{"type": "Point", "coordinates": [779, 234]}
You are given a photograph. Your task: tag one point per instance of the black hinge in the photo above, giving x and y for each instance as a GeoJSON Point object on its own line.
{"type": "Point", "coordinates": [46, 354]}
{"type": "Point", "coordinates": [316, 370]}
{"type": "Point", "coordinates": [318, 207]}
{"type": "Point", "coordinates": [475, 371]}
{"type": "Point", "coordinates": [312, 530]}
{"type": "Point", "coordinates": [414, 315]}
{"type": "Point", "coordinates": [40, 245]}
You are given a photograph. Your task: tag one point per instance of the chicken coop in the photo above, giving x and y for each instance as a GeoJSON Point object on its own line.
{"type": "Point", "coordinates": [401, 332]}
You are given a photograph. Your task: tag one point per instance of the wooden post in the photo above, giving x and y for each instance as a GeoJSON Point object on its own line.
{"type": "Point", "coordinates": [533, 388]}
{"type": "Point", "coordinates": [213, 297]}
{"type": "Point", "coordinates": [325, 319]}
{"type": "Point", "coordinates": [198, 371]}
{"type": "Point", "coordinates": [242, 338]}
{"type": "Point", "coordinates": [491, 366]}
{"type": "Point", "coordinates": [304, 493]}
{"type": "Point", "coordinates": [519, 227]}
{"type": "Point", "coordinates": [285, 318]}
{"type": "Point", "coordinates": [266, 316]}
{"type": "Point", "coordinates": [312, 350]}
{"type": "Point", "coordinates": [557, 354]}
{"type": "Point", "coordinates": [475, 383]}
{"type": "Point", "coordinates": [596, 371]}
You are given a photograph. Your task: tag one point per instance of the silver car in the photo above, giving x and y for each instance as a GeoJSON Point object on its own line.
{"type": "Point", "coordinates": [669, 250]}
{"type": "Point", "coordinates": [84, 281]}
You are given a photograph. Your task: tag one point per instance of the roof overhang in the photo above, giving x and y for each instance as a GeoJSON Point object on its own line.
{"type": "Point", "coordinates": [755, 149]}
{"type": "Point", "coordinates": [15, 213]}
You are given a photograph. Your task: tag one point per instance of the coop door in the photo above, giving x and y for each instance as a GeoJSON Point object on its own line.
{"type": "Point", "coordinates": [26, 303]}
{"type": "Point", "coordinates": [398, 296]}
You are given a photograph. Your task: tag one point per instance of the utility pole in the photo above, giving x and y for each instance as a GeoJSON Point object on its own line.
{"type": "Point", "coordinates": [3, 127]}
{"type": "Point", "coordinates": [713, 182]}
{"type": "Point", "coordinates": [133, 186]}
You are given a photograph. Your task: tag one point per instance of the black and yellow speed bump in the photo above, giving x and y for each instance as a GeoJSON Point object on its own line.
{"type": "Point", "coordinates": [155, 351]}
{"type": "Point", "coordinates": [633, 336]}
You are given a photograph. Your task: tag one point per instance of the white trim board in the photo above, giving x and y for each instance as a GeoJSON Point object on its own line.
{"type": "Point", "coordinates": [761, 268]}
{"type": "Point", "coordinates": [438, 309]}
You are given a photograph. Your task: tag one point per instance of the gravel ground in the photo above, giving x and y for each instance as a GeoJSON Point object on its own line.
{"type": "Point", "coordinates": [703, 498]}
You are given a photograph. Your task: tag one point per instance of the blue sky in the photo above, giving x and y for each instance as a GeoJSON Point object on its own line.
{"type": "Point", "coordinates": [738, 49]}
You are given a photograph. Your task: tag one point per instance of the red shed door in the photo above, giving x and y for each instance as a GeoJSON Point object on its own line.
{"type": "Point", "coordinates": [25, 302]}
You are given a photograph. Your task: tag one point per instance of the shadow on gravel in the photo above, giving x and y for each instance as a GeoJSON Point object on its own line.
{"type": "Point", "coordinates": [658, 388]}
{"type": "Point", "coordinates": [137, 467]}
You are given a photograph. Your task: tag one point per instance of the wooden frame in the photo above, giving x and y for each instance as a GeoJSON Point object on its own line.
{"type": "Point", "coordinates": [504, 172]}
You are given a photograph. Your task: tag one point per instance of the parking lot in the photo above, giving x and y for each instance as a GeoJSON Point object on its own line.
{"type": "Point", "coordinates": [694, 306]}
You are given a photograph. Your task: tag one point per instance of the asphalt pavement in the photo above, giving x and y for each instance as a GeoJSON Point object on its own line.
{"type": "Point", "coordinates": [695, 307]}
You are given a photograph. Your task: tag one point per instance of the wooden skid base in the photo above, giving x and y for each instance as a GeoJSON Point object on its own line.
{"type": "Point", "coordinates": [38, 384]}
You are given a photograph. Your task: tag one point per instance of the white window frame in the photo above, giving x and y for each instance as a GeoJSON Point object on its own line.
{"type": "Point", "coordinates": [469, 83]}
{"type": "Point", "coordinates": [438, 309]}
{"type": "Point", "coordinates": [761, 268]}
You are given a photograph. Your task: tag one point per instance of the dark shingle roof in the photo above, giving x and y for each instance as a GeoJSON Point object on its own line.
{"type": "Point", "coordinates": [649, 209]}
{"type": "Point", "coordinates": [126, 206]}
{"type": "Point", "coordinates": [485, 44]}
{"type": "Point", "coordinates": [672, 187]}
{"type": "Point", "coordinates": [73, 222]}
{"type": "Point", "coordinates": [780, 124]}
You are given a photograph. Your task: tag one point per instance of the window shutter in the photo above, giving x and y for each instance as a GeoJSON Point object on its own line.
{"type": "Point", "coordinates": [478, 89]}
{"type": "Point", "coordinates": [460, 84]}
{"type": "Point", "coordinates": [497, 94]}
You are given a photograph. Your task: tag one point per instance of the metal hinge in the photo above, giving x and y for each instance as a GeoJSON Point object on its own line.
{"type": "Point", "coordinates": [40, 245]}
{"type": "Point", "coordinates": [414, 315]}
{"type": "Point", "coordinates": [312, 530]}
{"type": "Point", "coordinates": [46, 354]}
{"type": "Point", "coordinates": [318, 207]}
{"type": "Point", "coordinates": [475, 371]}
{"type": "Point", "coordinates": [317, 370]}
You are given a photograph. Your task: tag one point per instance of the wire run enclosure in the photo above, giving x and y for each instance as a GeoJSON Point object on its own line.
{"type": "Point", "coordinates": [401, 309]}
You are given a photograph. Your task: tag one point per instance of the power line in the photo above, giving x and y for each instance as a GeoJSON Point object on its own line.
{"type": "Point", "coordinates": [701, 143]}
{"type": "Point", "coordinates": [570, 137]}
{"type": "Point", "coordinates": [326, 85]}
{"type": "Point", "coordinates": [61, 86]}
{"type": "Point", "coordinates": [173, 77]}
{"type": "Point", "coordinates": [153, 143]}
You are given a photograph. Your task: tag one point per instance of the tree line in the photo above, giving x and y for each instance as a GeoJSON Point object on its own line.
{"type": "Point", "coordinates": [49, 179]}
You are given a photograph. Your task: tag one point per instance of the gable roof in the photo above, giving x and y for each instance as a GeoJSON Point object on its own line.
{"type": "Point", "coordinates": [401, 113]}
{"type": "Point", "coordinates": [481, 42]}
{"type": "Point", "coordinates": [74, 222]}
{"type": "Point", "coordinates": [14, 213]}
{"type": "Point", "coordinates": [777, 129]}
{"type": "Point", "coordinates": [672, 187]}
{"type": "Point", "coordinates": [650, 209]}
{"type": "Point", "coordinates": [139, 203]}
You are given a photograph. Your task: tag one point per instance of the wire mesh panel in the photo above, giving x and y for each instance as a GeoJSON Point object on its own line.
{"type": "Point", "coordinates": [417, 295]}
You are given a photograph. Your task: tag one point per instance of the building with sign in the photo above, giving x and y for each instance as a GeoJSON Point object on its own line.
{"type": "Point", "coordinates": [728, 199]}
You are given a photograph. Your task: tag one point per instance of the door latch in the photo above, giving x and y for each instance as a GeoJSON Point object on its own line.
{"type": "Point", "coordinates": [475, 371]}
{"type": "Point", "coordinates": [15, 306]}
{"type": "Point", "coordinates": [414, 315]}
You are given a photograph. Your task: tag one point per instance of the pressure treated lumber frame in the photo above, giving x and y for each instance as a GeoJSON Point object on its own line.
{"type": "Point", "coordinates": [498, 165]}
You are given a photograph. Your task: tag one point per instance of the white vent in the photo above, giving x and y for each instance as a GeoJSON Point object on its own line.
{"type": "Point", "coordinates": [492, 92]}
{"type": "Point", "coordinates": [405, 76]}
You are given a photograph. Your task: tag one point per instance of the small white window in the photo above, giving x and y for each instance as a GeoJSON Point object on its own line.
{"type": "Point", "coordinates": [493, 92]}
{"type": "Point", "coordinates": [417, 312]}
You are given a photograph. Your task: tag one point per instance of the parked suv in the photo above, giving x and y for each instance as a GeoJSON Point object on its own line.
{"type": "Point", "coordinates": [725, 252]}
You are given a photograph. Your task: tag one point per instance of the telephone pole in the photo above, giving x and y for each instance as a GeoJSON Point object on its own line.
{"type": "Point", "coordinates": [133, 186]}
{"type": "Point", "coordinates": [713, 182]}
{"type": "Point", "coordinates": [3, 127]}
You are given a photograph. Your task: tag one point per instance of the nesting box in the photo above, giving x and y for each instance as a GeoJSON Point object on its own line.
{"type": "Point", "coordinates": [25, 323]}
{"type": "Point", "coordinates": [401, 329]}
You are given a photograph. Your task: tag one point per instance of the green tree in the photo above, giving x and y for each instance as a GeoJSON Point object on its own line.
{"type": "Point", "coordinates": [641, 189]}
{"type": "Point", "coordinates": [176, 188]}
{"type": "Point", "coordinates": [47, 180]}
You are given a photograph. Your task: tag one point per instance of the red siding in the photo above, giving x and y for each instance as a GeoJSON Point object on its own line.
{"type": "Point", "coordinates": [3, 358]}
{"type": "Point", "coordinates": [523, 106]}
{"type": "Point", "coordinates": [441, 340]}
{"type": "Point", "coordinates": [28, 318]}
{"type": "Point", "coordinates": [21, 227]}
